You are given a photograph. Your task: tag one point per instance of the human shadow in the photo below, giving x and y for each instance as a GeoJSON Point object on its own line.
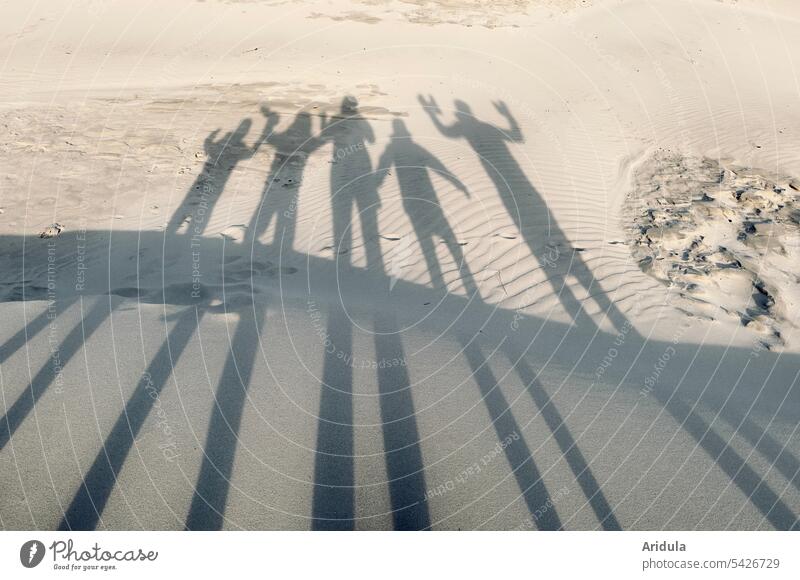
{"type": "Point", "coordinates": [404, 463]}
{"type": "Point", "coordinates": [48, 374]}
{"type": "Point", "coordinates": [88, 503]}
{"type": "Point", "coordinates": [280, 196]}
{"type": "Point", "coordinates": [222, 156]}
{"type": "Point", "coordinates": [523, 203]}
{"type": "Point", "coordinates": [354, 187]}
{"type": "Point", "coordinates": [783, 460]}
{"type": "Point", "coordinates": [32, 328]}
{"type": "Point", "coordinates": [518, 454]}
{"type": "Point", "coordinates": [741, 474]}
{"type": "Point", "coordinates": [563, 437]}
{"type": "Point", "coordinates": [333, 504]}
{"type": "Point", "coordinates": [279, 202]}
{"type": "Point", "coordinates": [413, 164]}
{"type": "Point", "coordinates": [207, 508]}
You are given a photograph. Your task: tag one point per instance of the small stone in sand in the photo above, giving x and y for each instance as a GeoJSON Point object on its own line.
{"type": "Point", "coordinates": [52, 231]}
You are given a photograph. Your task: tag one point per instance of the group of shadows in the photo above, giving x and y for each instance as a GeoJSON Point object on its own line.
{"type": "Point", "coordinates": [354, 189]}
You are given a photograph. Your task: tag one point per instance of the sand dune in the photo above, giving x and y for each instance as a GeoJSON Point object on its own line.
{"type": "Point", "coordinates": [399, 265]}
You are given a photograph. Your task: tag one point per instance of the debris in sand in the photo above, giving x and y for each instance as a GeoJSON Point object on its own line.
{"type": "Point", "coordinates": [722, 237]}
{"type": "Point", "coordinates": [52, 231]}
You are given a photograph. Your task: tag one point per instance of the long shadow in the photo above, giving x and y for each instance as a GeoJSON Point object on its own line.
{"type": "Point", "coordinates": [779, 457]}
{"type": "Point", "coordinates": [279, 198]}
{"type": "Point", "coordinates": [71, 344]}
{"type": "Point", "coordinates": [223, 155]}
{"type": "Point", "coordinates": [333, 505]}
{"type": "Point", "coordinates": [734, 411]}
{"type": "Point", "coordinates": [755, 489]}
{"type": "Point", "coordinates": [518, 454]}
{"type": "Point", "coordinates": [523, 203]}
{"type": "Point", "coordinates": [207, 509]}
{"type": "Point", "coordinates": [404, 463]}
{"type": "Point", "coordinates": [31, 329]}
{"type": "Point", "coordinates": [566, 442]}
{"type": "Point", "coordinates": [90, 500]}
{"type": "Point", "coordinates": [420, 202]}
{"type": "Point", "coordinates": [354, 188]}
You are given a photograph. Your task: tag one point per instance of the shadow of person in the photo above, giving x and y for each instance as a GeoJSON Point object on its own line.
{"type": "Point", "coordinates": [279, 198]}
{"type": "Point", "coordinates": [354, 184]}
{"type": "Point", "coordinates": [523, 202]}
{"type": "Point", "coordinates": [412, 163]}
{"type": "Point", "coordinates": [352, 181]}
{"type": "Point", "coordinates": [222, 156]}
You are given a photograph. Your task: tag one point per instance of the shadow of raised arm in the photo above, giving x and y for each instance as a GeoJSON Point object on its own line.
{"type": "Point", "coordinates": [432, 108]}
{"type": "Point", "coordinates": [514, 133]}
{"type": "Point", "coordinates": [210, 141]}
{"type": "Point", "coordinates": [269, 128]}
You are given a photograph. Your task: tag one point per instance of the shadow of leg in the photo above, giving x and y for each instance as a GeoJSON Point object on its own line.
{"type": "Point", "coordinates": [29, 331]}
{"type": "Point", "coordinates": [90, 500]}
{"type": "Point", "coordinates": [213, 482]}
{"type": "Point", "coordinates": [732, 464]}
{"type": "Point", "coordinates": [518, 454]}
{"type": "Point", "coordinates": [74, 341]}
{"type": "Point", "coordinates": [404, 462]}
{"type": "Point", "coordinates": [567, 444]}
{"type": "Point", "coordinates": [334, 505]}
{"type": "Point", "coordinates": [772, 450]}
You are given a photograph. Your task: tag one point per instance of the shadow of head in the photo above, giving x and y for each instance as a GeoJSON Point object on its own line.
{"type": "Point", "coordinates": [399, 129]}
{"type": "Point", "coordinates": [349, 105]}
{"type": "Point", "coordinates": [463, 110]}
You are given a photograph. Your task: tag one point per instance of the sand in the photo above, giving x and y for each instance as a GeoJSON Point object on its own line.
{"type": "Point", "coordinates": [399, 265]}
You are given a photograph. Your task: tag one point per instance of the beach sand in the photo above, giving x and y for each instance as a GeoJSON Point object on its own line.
{"type": "Point", "coordinates": [399, 265]}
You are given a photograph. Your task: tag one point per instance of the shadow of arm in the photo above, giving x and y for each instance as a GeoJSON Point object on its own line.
{"type": "Point", "coordinates": [433, 110]}
{"type": "Point", "coordinates": [514, 133]}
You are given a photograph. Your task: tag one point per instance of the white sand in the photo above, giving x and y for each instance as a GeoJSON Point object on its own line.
{"type": "Point", "coordinates": [189, 352]}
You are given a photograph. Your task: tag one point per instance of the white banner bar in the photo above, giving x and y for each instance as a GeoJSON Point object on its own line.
{"type": "Point", "coordinates": [386, 555]}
